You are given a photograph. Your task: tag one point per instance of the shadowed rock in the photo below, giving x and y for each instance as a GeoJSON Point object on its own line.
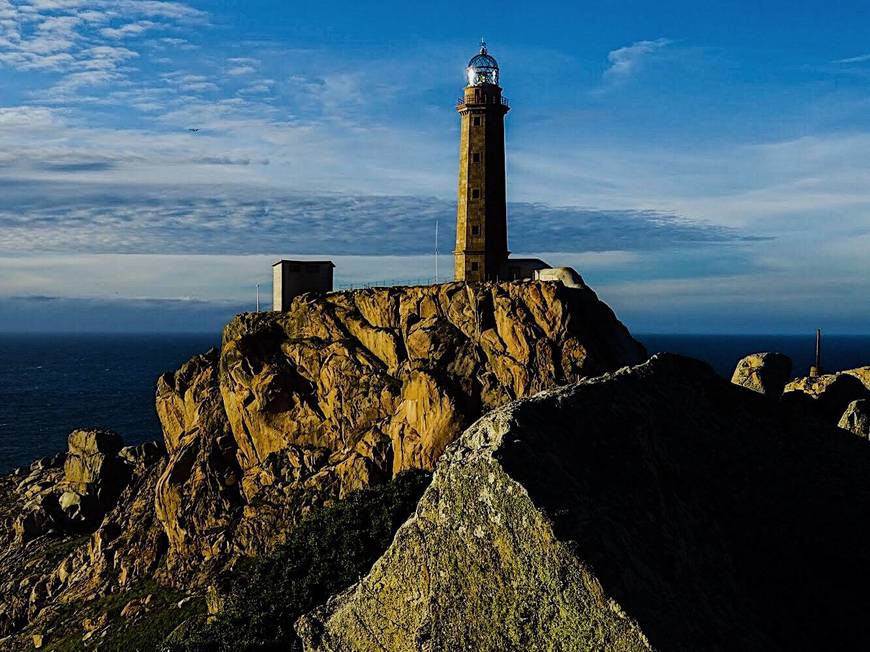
{"type": "Point", "coordinates": [829, 395]}
{"type": "Point", "coordinates": [660, 501]}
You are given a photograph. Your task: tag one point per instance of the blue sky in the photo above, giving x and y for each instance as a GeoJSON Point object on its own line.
{"type": "Point", "coordinates": [704, 167]}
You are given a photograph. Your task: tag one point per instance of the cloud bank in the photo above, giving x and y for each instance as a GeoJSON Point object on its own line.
{"type": "Point", "coordinates": [41, 218]}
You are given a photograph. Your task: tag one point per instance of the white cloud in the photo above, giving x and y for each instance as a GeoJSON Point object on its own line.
{"type": "Point", "coordinates": [238, 71]}
{"type": "Point", "coordinates": [859, 59]}
{"type": "Point", "coordinates": [190, 83]}
{"type": "Point", "coordinates": [58, 36]}
{"type": "Point", "coordinates": [30, 118]}
{"type": "Point", "coordinates": [130, 29]}
{"type": "Point", "coordinates": [258, 87]}
{"type": "Point", "coordinates": [625, 61]}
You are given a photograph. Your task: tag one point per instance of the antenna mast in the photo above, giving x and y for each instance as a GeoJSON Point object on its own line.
{"type": "Point", "coordinates": [816, 370]}
{"type": "Point", "coordinates": [258, 297]}
{"type": "Point", "coordinates": [436, 250]}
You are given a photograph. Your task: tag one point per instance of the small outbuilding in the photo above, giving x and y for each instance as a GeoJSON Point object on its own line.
{"type": "Point", "coordinates": [290, 278]}
{"type": "Point", "coordinates": [516, 269]}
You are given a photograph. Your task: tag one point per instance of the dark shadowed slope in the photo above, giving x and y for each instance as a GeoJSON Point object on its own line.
{"type": "Point", "coordinates": [712, 516]}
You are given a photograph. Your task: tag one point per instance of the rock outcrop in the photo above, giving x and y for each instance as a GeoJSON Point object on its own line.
{"type": "Point", "coordinates": [659, 503]}
{"type": "Point", "coordinates": [856, 418]}
{"type": "Point", "coordinates": [349, 389]}
{"type": "Point", "coordinates": [829, 394]}
{"type": "Point", "coordinates": [73, 490]}
{"type": "Point", "coordinates": [75, 526]}
{"type": "Point", "coordinates": [94, 476]}
{"type": "Point", "coordinates": [197, 495]}
{"type": "Point", "coordinates": [765, 373]}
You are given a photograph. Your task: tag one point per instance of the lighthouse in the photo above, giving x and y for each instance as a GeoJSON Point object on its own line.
{"type": "Point", "coordinates": [481, 252]}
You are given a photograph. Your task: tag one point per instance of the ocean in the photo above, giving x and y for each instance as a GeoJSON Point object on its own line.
{"type": "Point", "coordinates": [52, 384]}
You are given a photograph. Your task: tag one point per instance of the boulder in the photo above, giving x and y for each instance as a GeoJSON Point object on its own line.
{"type": "Point", "coordinates": [39, 518]}
{"type": "Point", "coordinates": [856, 418]}
{"type": "Point", "coordinates": [133, 609]}
{"type": "Point", "coordinates": [94, 475]}
{"type": "Point", "coordinates": [659, 506]}
{"type": "Point", "coordinates": [143, 455]}
{"type": "Point", "coordinates": [765, 373]}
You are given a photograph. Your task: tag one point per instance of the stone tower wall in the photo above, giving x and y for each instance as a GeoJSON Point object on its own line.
{"type": "Point", "coordinates": [481, 219]}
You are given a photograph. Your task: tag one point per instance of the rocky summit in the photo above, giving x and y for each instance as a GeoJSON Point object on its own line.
{"type": "Point", "coordinates": [656, 507]}
{"type": "Point", "coordinates": [295, 410]}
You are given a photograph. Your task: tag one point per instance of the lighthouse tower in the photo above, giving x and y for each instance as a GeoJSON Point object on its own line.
{"type": "Point", "coordinates": [481, 252]}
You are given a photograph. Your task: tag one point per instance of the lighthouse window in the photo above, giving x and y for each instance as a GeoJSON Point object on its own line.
{"type": "Point", "coordinates": [475, 157]}
{"type": "Point", "coordinates": [476, 121]}
{"type": "Point", "coordinates": [475, 230]}
{"type": "Point", "coordinates": [475, 193]}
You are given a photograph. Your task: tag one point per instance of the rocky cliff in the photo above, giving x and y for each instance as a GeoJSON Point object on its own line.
{"type": "Point", "coordinates": [657, 506]}
{"type": "Point", "coordinates": [654, 506]}
{"type": "Point", "coordinates": [295, 410]}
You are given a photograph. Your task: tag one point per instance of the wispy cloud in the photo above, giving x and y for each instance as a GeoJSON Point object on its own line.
{"type": "Point", "coordinates": [130, 29]}
{"type": "Point", "coordinates": [625, 61]}
{"type": "Point", "coordinates": [240, 66]}
{"type": "Point", "coordinates": [63, 36]}
{"type": "Point", "coordinates": [859, 59]}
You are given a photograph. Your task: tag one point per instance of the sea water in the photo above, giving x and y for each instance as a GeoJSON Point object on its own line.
{"type": "Point", "coordinates": [52, 384]}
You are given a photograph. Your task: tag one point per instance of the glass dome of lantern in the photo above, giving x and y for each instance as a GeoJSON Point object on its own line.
{"type": "Point", "coordinates": [482, 69]}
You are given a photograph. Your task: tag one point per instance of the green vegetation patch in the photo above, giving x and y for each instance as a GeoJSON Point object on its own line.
{"type": "Point", "coordinates": [327, 552]}
{"type": "Point", "coordinates": [144, 631]}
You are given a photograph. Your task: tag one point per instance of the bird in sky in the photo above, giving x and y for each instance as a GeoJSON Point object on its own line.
{"type": "Point", "coordinates": [193, 130]}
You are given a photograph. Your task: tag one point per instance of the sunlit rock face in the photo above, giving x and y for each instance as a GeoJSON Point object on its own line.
{"type": "Point", "coordinates": [656, 507]}
{"type": "Point", "coordinates": [294, 410]}
{"type": "Point", "coordinates": [765, 373]}
{"type": "Point", "coordinates": [349, 389]}
{"type": "Point", "coordinates": [196, 496]}
{"type": "Point", "coordinates": [856, 418]}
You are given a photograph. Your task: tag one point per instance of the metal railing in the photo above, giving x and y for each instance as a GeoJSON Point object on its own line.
{"type": "Point", "coordinates": [403, 282]}
{"type": "Point", "coordinates": [502, 100]}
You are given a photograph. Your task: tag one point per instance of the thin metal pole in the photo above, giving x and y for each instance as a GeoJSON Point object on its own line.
{"type": "Point", "coordinates": [819, 350]}
{"type": "Point", "coordinates": [436, 251]}
{"type": "Point", "coordinates": [258, 297]}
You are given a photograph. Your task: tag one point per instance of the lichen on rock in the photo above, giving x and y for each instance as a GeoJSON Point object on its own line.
{"type": "Point", "coordinates": [856, 418]}
{"type": "Point", "coordinates": [765, 373]}
{"type": "Point", "coordinates": [656, 506]}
